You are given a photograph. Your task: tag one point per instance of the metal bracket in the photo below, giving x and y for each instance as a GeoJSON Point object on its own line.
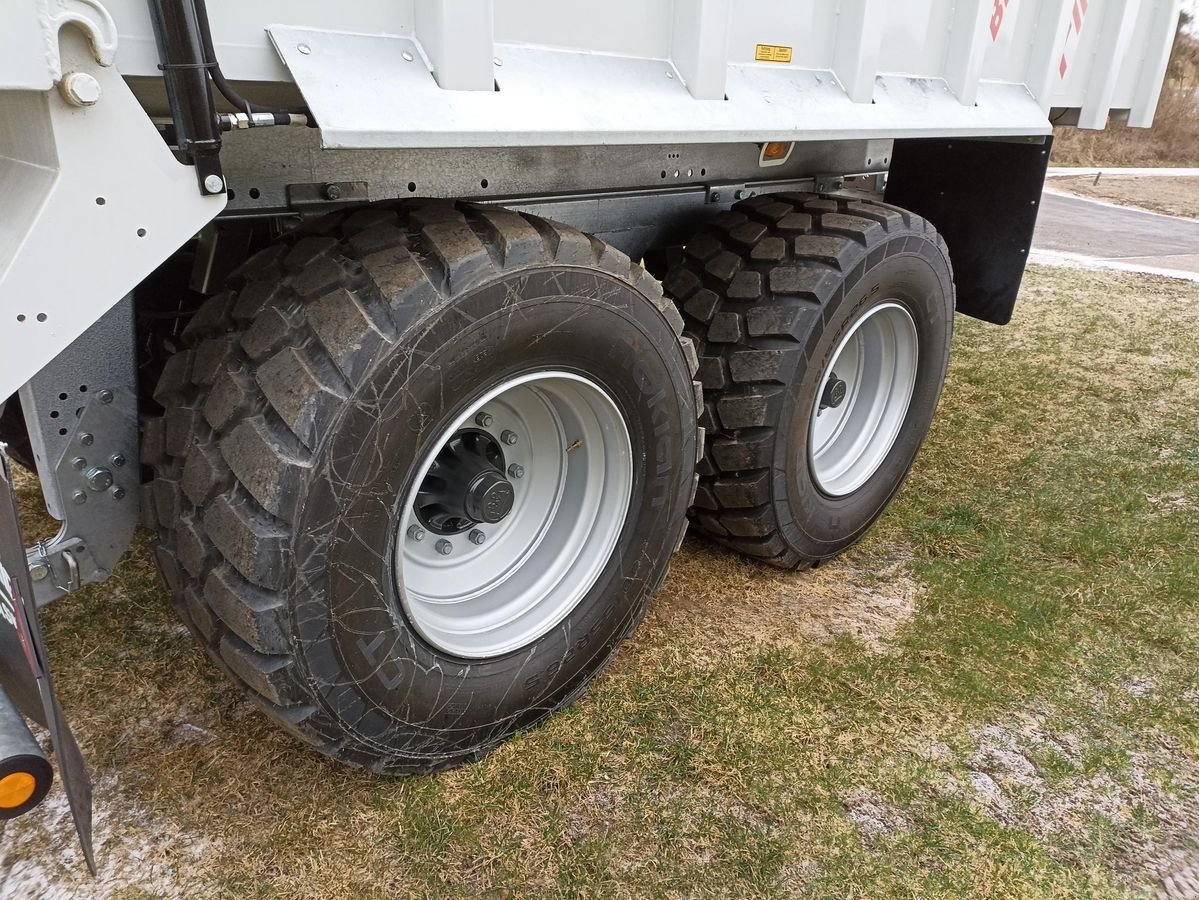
{"type": "Point", "coordinates": [827, 184]}
{"type": "Point", "coordinates": [729, 193]}
{"type": "Point", "coordinates": [98, 475]}
{"type": "Point", "coordinates": [326, 196]}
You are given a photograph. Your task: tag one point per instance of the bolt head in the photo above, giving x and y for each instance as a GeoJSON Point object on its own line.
{"type": "Point", "coordinates": [79, 463]}
{"type": "Point", "coordinates": [79, 498]}
{"type": "Point", "coordinates": [80, 89]}
{"type": "Point", "coordinates": [105, 396]}
{"type": "Point", "coordinates": [484, 420]}
{"type": "Point", "coordinates": [477, 537]}
{"type": "Point", "coordinates": [416, 533]}
{"type": "Point", "coordinates": [98, 479]}
{"type": "Point", "coordinates": [87, 439]}
{"type": "Point", "coordinates": [304, 48]}
{"type": "Point", "coordinates": [408, 57]}
{"type": "Point", "coordinates": [39, 571]}
{"type": "Point", "coordinates": [516, 470]}
{"type": "Point", "coordinates": [715, 196]}
{"type": "Point", "coordinates": [444, 547]}
{"type": "Point", "coordinates": [118, 493]}
{"type": "Point", "coordinates": [331, 191]}
{"type": "Point", "coordinates": [117, 460]}
{"type": "Point", "coordinates": [214, 184]}
{"type": "Point", "coordinates": [508, 437]}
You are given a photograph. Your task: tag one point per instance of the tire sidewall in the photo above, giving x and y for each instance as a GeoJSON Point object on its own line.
{"type": "Point", "coordinates": [364, 660]}
{"type": "Point", "coordinates": [913, 272]}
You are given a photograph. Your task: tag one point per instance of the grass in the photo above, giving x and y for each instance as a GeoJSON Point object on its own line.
{"type": "Point", "coordinates": [994, 695]}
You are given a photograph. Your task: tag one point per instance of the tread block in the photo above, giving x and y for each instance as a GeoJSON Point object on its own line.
{"type": "Point", "coordinates": [749, 448]}
{"type": "Point", "coordinates": [681, 283]}
{"type": "Point", "coordinates": [168, 500]}
{"type": "Point", "coordinates": [307, 250]}
{"type": "Point", "coordinates": [840, 252]}
{"type": "Point", "coordinates": [518, 241]}
{"type": "Point", "coordinates": [703, 247]}
{"type": "Point", "coordinates": [757, 522]}
{"type": "Point", "coordinates": [774, 211]}
{"type": "Point", "coordinates": [782, 319]}
{"type": "Point", "coordinates": [270, 468]}
{"type": "Point", "coordinates": [350, 333]}
{"type": "Point", "coordinates": [459, 252]}
{"type": "Point", "coordinates": [608, 258]}
{"type": "Point", "coordinates": [749, 233]}
{"type": "Point", "coordinates": [748, 366]}
{"type": "Point", "coordinates": [175, 378]}
{"type": "Point", "coordinates": [233, 395]}
{"type": "Point", "coordinates": [380, 236]}
{"type": "Point", "coordinates": [270, 676]}
{"type": "Point", "coordinates": [771, 548]}
{"type": "Point", "coordinates": [803, 281]}
{"type": "Point", "coordinates": [769, 249]}
{"type": "Point", "coordinates": [193, 548]}
{"type": "Point", "coordinates": [702, 305]}
{"type": "Point", "coordinates": [212, 318]}
{"type": "Point", "coordinates": [366, 219]}
{"type": "Point", "coordinates": [395, 272]}
{"type": "Point", "coordinates": [858, 228]}
{"type": "Point", "coordinates": [795, 223]}
{"type": "Point", "coordinates": [256, 616]}
{"type": "Point", "coordinates": [748, 490]}
{"type": "Point", "coordinates": [211, 356]}
{"type": "Point", "coordinates": [183, 423]}
{"type": "Point", "coordinates": [299, 387]}
{"type": "Point", "coordinates": [705, 497]}
{"type": "Point", "coordinates": [249, 539]}
{"type": "Point", "coordinates": [274, 328]}
{"type": "Point", "coordinates": [746, 285]}
{"type": "Point", "coordinates": [729, 219]}
{"type": "Point", "coordinates": [712, 374]}
{"type": "Point", "coordinates": [725, 328]}
{"type": "Point", "coordinates": [264, 265]}
{"type": "Point", "coordinates": [710, 523]}
{"type": "Point", "coordinates": [890, 217]}
{"type": "Point", "coordinates": [568, 246]}
{"type": "Point", "coordinates": [204, 474]}
{"type": "Point", "coordinates": [192, 609]}
{"type": "Point", "coordinates": [319, 277]}
{"type": "Point", "coordinates": [724, 265]}
{"type": "Point", "coordinates": [754, 410]}
{"type": "Point", "coordinates": [154, 436]}
{"type": "Point", "coordinates": [254, 298]}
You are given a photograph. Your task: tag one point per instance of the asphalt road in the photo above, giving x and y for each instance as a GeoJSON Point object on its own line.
{"type": "Point", "coordinates": [1129, 237]}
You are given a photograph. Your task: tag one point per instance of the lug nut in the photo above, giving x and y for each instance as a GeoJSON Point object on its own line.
{"type": "Point", "coordinates": [516, 470]}
{"type": "Point", "coordinates": [477, 537]}
{"type": "Point", "coordinates": [98, 479]}
{"type": "Point", "coordinates": [444, 547]}
{"type": "Point", "coordinates": [87, 439]}
{"type": "Point", "coordinates": [38, 571]}
{"type": "Point", "coordinates": [484, 420]}
{"type": "Point", "coordinates": [79, 497]}
{"type": "Point", "coordinates": [508, 437]}
{"type": "Point", "coordinates": [416, 533]}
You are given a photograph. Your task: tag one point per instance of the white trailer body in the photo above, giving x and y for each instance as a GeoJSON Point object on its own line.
{"type": "Point", "coordinates": [363, 170]}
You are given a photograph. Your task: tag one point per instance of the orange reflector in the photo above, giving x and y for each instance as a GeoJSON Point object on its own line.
{"type": "Point", "coordinates": [776, 150]}
{"type": "Point", "coordinates": [16, 789]}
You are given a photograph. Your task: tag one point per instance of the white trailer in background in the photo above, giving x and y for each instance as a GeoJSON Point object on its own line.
{"type": "Point", "coordinates": [360, 306]}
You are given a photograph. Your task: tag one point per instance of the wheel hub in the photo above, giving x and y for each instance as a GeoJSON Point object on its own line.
{"type": "Point", "coordinates": [465, 485]}
{"type": "Point", "coordinates": [834, 392]}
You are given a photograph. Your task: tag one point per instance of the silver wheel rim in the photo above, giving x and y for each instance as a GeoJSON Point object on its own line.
{"type": "Point", "coordinates": [854, 425]}
{"type": "Point", "coordinates": [567, 455]}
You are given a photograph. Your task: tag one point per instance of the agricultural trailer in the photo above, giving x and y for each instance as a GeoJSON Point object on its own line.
{"type": "Point", "coordinates": [419, 331]}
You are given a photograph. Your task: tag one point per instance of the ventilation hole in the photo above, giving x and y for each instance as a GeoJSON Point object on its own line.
{"type": "Point", "coordinates": [869, 161]}
{"type": "Point", "coordinates": [20, 317]}
{"type": "Point", "coordinates": [483, 183]}
{"type": "Point", "coordinates": [703, 172]}
{"type": "Point", "coordinates": [62, 396]}
{"type": "Point", "coordinates": [663, 173]}
{"type": "Point", "coordinates": [255, 193]}
{"type": "Point", "coordinates": [83, 388]}
{"type": "Point", "coordinates": [411, 187]}
{"type": "Point", "coordinates": [54, 414]}
{"type": "Point", "coordinates": [100, 201]}
{"type": "Point", "coordinates": [141, 232]}
{"type": "Point", "coordinates": [231, 194]}
{"type": "Point", "coordinates": [41, 317]}
{"type": "Point", "coordinates": [61, 433]}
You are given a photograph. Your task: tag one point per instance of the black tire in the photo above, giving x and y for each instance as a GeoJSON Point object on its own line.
{"type": "Point", "coordinates": [767, 290]}
{"type": "Point", "coordinates": [296, 414]}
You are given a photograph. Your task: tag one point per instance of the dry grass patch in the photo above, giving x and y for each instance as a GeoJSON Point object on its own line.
{"type": "Point", "coordinates": [1171, 196]}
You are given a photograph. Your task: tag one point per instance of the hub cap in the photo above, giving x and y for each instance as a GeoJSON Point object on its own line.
{"type": "Point", "coordinates": [526, 494]}
{"type": "Point", "coordinates": [865, 394]}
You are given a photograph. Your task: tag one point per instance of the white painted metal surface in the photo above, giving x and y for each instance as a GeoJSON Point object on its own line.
{"type": "Point", "coordinates": [92, 201]}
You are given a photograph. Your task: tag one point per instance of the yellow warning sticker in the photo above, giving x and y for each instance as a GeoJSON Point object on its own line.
{"type": "Point", "coordinates": [772, 53]}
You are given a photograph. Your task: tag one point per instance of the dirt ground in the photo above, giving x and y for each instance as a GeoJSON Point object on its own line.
{"type": "Point", "coordinates": [1163, 194]}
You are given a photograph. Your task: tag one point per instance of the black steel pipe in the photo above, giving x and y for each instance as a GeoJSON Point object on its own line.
{"type": "Point", "coordinates": [185, 71]}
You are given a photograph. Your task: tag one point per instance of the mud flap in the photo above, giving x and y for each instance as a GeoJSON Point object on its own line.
{"type": "Point", "coordinates": [24, 671]}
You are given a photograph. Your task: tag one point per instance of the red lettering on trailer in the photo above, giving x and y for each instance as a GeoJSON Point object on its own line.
{"type": "Point", "coordinates": [997, 17]}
